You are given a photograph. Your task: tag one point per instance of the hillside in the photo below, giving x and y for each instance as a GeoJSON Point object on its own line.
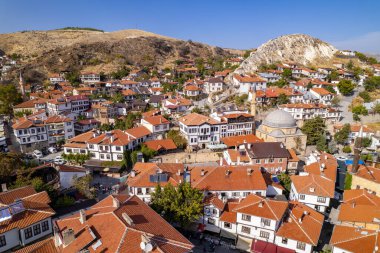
{"type": "Point", "coordinates": [299, 48]}
{"type": "Point", "coordinates": [57, 50]}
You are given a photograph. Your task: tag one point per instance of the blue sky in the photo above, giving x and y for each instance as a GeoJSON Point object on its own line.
{"type": "Point", "coordinates": [235, 24]}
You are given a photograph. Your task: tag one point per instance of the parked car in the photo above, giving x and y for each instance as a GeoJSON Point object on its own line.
{"type": "Point", "coordinates": [37, 154]}
{"type": "Point", "coordinates": [59, 160]}
{"type": "Point", "coordinates": [52, 150]}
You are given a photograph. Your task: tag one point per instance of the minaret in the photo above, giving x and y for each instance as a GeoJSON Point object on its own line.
{"type": "Point", "coordinates": [357, 150]}
{"type": "Point", "coordinates": [22, 88]}
{"type": "Point", "coordinates": [253, 103]}
{"type": "Point", "coordinates": [253, 110]}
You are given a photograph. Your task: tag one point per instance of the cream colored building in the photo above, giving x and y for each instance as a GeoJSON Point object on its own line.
{"type": "Point", "coordinates": [280, 126]}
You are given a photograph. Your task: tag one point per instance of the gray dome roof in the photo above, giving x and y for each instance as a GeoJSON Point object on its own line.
{"type": "Point", "coordinates": [280, 118]}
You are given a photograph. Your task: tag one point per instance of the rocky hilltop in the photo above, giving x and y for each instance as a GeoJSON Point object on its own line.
{"type": "Point", "coordinates": [299, 48]}
{"type": "Point", "coordinates": [57, 50]}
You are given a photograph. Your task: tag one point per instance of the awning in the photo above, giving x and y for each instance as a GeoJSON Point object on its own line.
{"type": "Point", "coordinates": [259, 246]}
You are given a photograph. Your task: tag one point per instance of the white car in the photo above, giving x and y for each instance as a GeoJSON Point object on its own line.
{"type": "Point", "coordinates": [37, 154]}
{"type": "Point", "coordinates": [59, 160]}
{"type": "Point", "coordinates": [52, 150]}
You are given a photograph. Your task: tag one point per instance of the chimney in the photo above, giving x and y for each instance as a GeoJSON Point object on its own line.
{"type": "Point", "coordinates": [115, 202]}
{"type": "Point", "coordinates": [227, 172]}
{"type": "Point", "coordinates": [143, 160]}
{"type": "Point", "coordinates": [178, 172]}
{"type": "Point", "coordinates": [238, 160]}
{"type": "Point", "coordinates": [133, 173]}
{"type": "Point", "coordinates": [82, 216]}
{"type": "Point", "coordinates": [68, 237]}
{"type": "Point", "coordinates": [353, 204]}
{"type": "Point", "coordinates": [176, 160]}
{"type": "Point", "coordinates": [4, 187]}
{"type": "Point", "coordinates": [249, 171]}
{"type": "Point", "coordinates": [202, 172]}
{"type": "Point", "coordinates": [221, 161]}
{"type": "Point", "coordinates": [261, 203]}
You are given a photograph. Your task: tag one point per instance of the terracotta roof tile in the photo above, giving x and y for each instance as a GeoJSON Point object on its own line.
{"type": "Point", "coordinates": [314, 185]}
{"type": "Point", "coordinates": [166, 144]}
{"type": "Point", "coordinates": [241, 139]}
{"type": "Point", "coordinates": [195, 119]}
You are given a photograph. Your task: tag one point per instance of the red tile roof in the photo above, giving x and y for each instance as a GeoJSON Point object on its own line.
{"type": "Point", "coordinates": [314, 185]}
{"type": "Point", "coordinates": [166, 144]}
{"type": "Point", "coordinates": [241, 139]}
{"type": "Point", "coordinates": [156, 120]}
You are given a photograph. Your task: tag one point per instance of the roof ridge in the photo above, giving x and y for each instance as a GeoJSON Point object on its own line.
{"type": "Point", "coordinates": [296, 221]}
{"type": "Point", "coordinates": [206, 174]}
{"type": "Point", "coordinates": [370, 233]}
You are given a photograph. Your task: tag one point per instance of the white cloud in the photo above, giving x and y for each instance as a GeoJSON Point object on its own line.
{"type": "Point", "coordinates": [367, 43]}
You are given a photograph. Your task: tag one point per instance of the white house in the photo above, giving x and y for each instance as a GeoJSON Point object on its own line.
{"type": "Point", "coordinates": [157, 125]}
{"type": "Point", "coordinates": [89, 77]}
{"type": "Point", "coordinates": [200, 130]}
{"type": "Point", "coordinates": [67, 175]}
{"type": "Point", "coordinates": [59, 128]}
{"type": "Point", "coordinates": [247, 83]}
{"type": "Point", "coordinates": [313, 190]}
{"type": "Point", "coordinates": [213, 85]}
{"type": "Point", "coordinates": [25, 216]}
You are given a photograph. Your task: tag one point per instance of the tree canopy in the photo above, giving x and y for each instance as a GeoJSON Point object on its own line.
{"type": "Point", "coordinates": [181, 205]}
{"type": "Point", "coordinates": [372, 83]}
{"type": "Point", "coordinates": [346, 87]}
{"type": "Point", "coordinates": [341, 136]}
{"type": "Point", "coordinates": [178, 139]}
{"type": "Point", "coordinates": [9, 97]}
{"type": "Point", "coordinates": [314, 128]}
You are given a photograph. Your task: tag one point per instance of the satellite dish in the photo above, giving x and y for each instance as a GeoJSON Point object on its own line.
{"type": "Point", "coordinates": [148, 247]}
{"type": "Point", "coordinates": [142, 245]}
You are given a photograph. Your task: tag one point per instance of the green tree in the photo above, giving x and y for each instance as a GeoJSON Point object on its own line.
{"type": "Point", "coordinates": [197, 110]}
{"type": "Point", "coordinates": [285, 181]}
{"type": "Point", "coordinates": [366, 142]}
{"type": "Point", "coordinates": [240, 100]}
{"type": "Point", "coordinates": [360, 110]}
{"type": "Point", "coordinates": [287, 74]}
{"type": "Point", "coordinates": [282, 99]}
{"type": "Point", "coordinates": [330, 89]}
{"type": "Point", "coordinates": [178, 139]}
{"type": "Point", "coordinates": [365, 96]}
{"type": "Point", "coordinates": [342, 135]}
{"type": "Point", "coordinates": [10, 163]}
{"type": "Point", "coordinates": [335, 102]}
{"type": "Point", "coordinates": [120, 73]}
{"type": "Point", "coordinates": [21, 113]}
{"type": "Point", "coordinates": [333, 76]}
{"type": "Point", "coordinates": [247, 53]}
{"type": "Point", "coordinates": [181, 205]}
{"type": "Point", "coordinates": [314, 128]}
{"type": "Point", "coordinates": [73, 78]}
{"type": "Point", "coordinates": [355, 117]}
{"type": "Point", "coordinates": [321, 144]}
{"type": "Point", "coordinates": [350, 65]}
{"type": "Point", "coordinates": [372, 83]}
{"type": "Point", "coordinates": [83, 185]}
{"type": "Point", "coordinates": [376, 108]}
{"type": "Point", "coordinates": [9, 97]}
{"type": "Point", "coordinates": [347, 149]}
{"type": "Point", "coordinates": [348, 181]}
{"type": "Point", "coordinates": [346, 87]}
{"type": "Point", "coordinates": [118, 98]}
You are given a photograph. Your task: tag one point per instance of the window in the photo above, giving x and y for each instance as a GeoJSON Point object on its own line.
{"type": "Point", "coordinates": [246, 217]}
{"type": "Point", "coordinates": [284, 240]}
{"type": "Point", "coordinates": [119, 157]}
{"type": "Point", "coordinates": [227, 225]}
{"type": "Point", "coordinates": [265, 222]}
{"type": "Point", "coordinates": [37, 229]}
{"type": "Point", "coordinates": [258, 161]}
{"type": "Point", "coordinates": [45, 226]}
{"type": "Point", "coordinates": [245, 229]}
{"type": "Point", "coordinates": [301, 245]}
{"type": "Point", "coordinates": [280, 160]}
{"type": "Point", "coordinates": [3, 242]}
{"type": "Point", "coordinates": [236, 194]}
{"type": "Point", "coordinates": [264, 234]}
{"type": "Point", "coordinates": [302, 197]}
{"type": "Point", "coordinates": [118, 148]}
{"type": "Point", "coordinates": [321, 200]}
{"type": "Point", "coordinates": [147, 190]}
{"type": "Point", "coordinates": [271, 160]}
{"type": "Point", "coordinates": [211, 221]}
{"type": "Point", "coordinates": [139, 191]}
{"type": "Point", "coordinates": [28, 233]}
